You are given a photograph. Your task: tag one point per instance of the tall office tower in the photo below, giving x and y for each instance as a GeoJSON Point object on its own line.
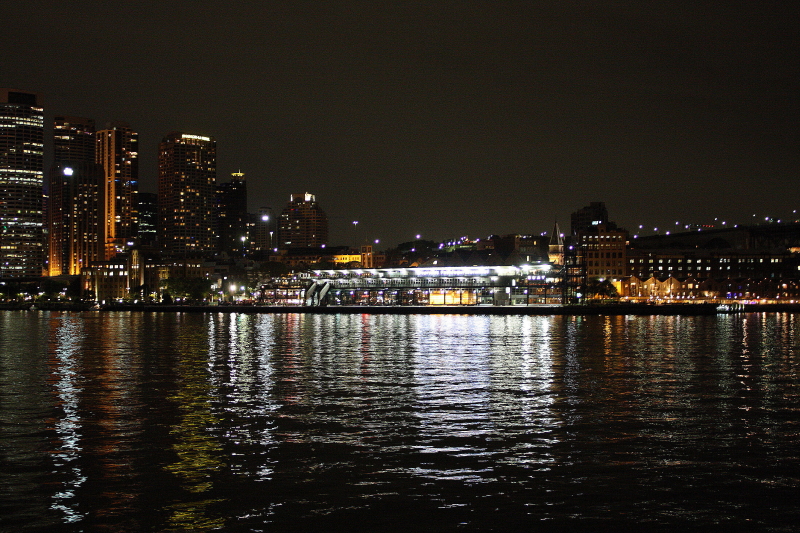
{"type": "Point", "coordinates": [303, 223]}
{"type": "Point", "coordinates": [231, 214]}
{"type": "Point", "coordinates": [21, 180]}
{"type": "Point", "coordinates": [148, 218]}
{"type": "Point", "coordinates": [73, 139]}
{"type": "Point", "coordinates": [187, 175]}
{"type": "Point", "coordinates": [118, 151]}
{"type": "Point", "coordinates": [76, 196]}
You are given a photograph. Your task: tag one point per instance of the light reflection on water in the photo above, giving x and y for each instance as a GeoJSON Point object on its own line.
{"type": "Point", "coordinates": [68, 337]}
{"type": "Point", "coordinates": [139, 422]}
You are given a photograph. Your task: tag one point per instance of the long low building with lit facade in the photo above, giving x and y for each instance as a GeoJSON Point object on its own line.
{"type": "Point", "coordinates": [534, 284]}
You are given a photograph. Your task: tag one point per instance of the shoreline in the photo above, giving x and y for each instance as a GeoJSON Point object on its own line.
{"type": "Point", "coordinates": [634, 309]}
{"type": "Point", "coordinates": [576, 310]}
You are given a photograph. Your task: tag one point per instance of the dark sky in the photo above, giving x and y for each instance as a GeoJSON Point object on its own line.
{"type": "Point", "coordinates": [444, 118]}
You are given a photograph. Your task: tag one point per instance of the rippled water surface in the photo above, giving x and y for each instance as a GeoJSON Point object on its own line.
{"type": "Point", "coordinates": [164, 422]}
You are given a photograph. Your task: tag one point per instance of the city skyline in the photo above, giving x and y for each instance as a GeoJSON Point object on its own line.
{"type": "Point", "coordinates": [449, 119]}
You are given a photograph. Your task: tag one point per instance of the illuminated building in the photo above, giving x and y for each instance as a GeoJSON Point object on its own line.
{"type": "Point", "coordinates": [555, 249]}
{"type": "Point", "coordinates": [117, 150]}
{"type": "Point", "coordinates": [76, 185]}
{"type": "Point", "coordinates": [602, 251]}
{"type": "Point", "coordinates": [75, 217]}
{"type": "Point", "coordinates": [21, 181]}
{"type": "Point", "coordinates": [303, 223]}
{"type": "Point", "coordinates": [493, 285]}
{"type": "Point", "coordinates": [187, 175]}
{"type": "Point", "coordinates": [231, 214]}
{"type": "Point", "coordinates": [595, 260]}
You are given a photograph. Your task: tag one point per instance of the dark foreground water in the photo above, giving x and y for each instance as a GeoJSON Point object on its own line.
{"type": "Point", "coordinates": [168, 422]}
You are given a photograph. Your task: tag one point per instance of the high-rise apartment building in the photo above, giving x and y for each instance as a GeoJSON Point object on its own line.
{"type": "Point", "coordinates": [21, 184]}
{"type": "Point", "coordinates": [303, 223]}
{"type": "Point", "coordinates": [117, 150]}
{"type": "Point", "coordinates": [231, 214]}
{"type": "Point", "coordinates": [76, 199]}
{"type": "Point", "coordinates": [187, 175]}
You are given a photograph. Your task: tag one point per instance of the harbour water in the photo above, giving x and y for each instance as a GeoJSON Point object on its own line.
{"type": "Point", "coordinates": [128, 421]}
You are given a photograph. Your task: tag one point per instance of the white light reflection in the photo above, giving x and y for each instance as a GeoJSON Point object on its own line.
{"type": "Point", "coordinates": [524, 378]}
{"type": "Point", "coordinates": [250, 343]}
{"type": "Point", "coordinates": [479, 379]}
{"type": "Point", "coordinates": [453, 382]}
{"type": "Point", "coordinates": [68, 337]}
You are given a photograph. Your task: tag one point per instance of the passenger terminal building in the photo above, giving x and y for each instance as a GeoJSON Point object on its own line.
{"type": "Point", "coordinates": [527, 284]}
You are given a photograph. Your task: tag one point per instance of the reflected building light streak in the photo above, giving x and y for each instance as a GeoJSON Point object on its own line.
{"type": "Point", "coordinates": [68, 427]}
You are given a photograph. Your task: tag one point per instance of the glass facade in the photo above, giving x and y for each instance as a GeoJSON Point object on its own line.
{"type": "Point", "coordinates": [21, 184]}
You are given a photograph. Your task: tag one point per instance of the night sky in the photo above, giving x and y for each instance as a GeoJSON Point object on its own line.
{"type": "Point", "coordinates": [444, 119]}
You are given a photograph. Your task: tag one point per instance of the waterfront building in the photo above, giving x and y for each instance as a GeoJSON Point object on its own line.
{"type": "Point", "coordinates": [76, 199]}
{"type": "Point", "coordinates": [303, 223]}
{"type": "Point", "coordinates": [713, 264]}
{"type": "Point", "coordinates": [602, 251]}
{"type": "Point", "coordinates": [723, 290]}
{"type": "Point", "coordinates": [521, 285]}
{"type": "Point", "coordinates": [134, 276]}
{"type": "Point", "coordinates": [187, 175]}
{"type": "Point", "coordinates": [21, 184]}
{"type": "Point", "coordinates": [117, 150]}
{"type": "Point", "coordinates": [231, 214]}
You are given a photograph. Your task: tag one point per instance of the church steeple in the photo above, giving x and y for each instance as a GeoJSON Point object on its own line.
{"type": "Point", "coordinates": [556, 247]}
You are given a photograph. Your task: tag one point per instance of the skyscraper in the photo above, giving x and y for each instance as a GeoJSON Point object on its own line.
{"type": "Point", "coordinates": [73, 139]}
{"type": "Point", "coordinates": [303, 223]}
{"type": "Point", "coordinates": [21, 180]}
{"type": "Point", "coordinates": [118, 152]}
{"type": "Point", "coordinates": [76, 200]}
{"type": "Point", "coordinates": [231, 213]}
{"type": "Point", "coordinates": [187, 175]}
{"type": "Point", "coordinates": [148, 218]}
